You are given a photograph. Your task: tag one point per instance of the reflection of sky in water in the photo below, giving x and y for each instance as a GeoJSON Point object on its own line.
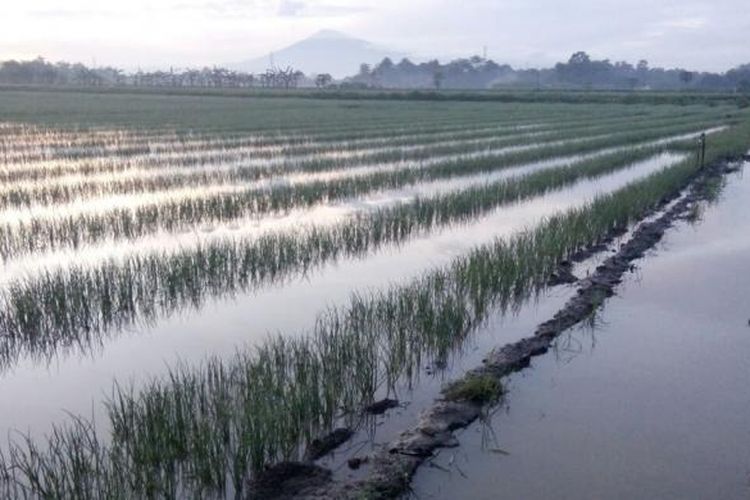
{"type": "Point", "coordinates": [221, 326]}
{"type": "Point", "coordinates": [97, 204]}
{"type": "Point", "coordinates": [98, 145]}
{"type": "Point", "coordinates": [653, 403]}
{"type": "Point", "coordinates": [65, 170]}
{"type": "Point", "coordinates": [320, 215]}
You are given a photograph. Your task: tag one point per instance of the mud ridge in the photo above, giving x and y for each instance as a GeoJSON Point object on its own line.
{"type": "Point", "coordinates": [391, 469]}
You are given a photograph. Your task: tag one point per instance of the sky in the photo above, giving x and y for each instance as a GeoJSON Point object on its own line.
{"type": "Point", "coordinates": [693, 34]}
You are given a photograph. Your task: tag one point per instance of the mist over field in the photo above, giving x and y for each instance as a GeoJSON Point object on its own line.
{"type": "Point", "coordinates": [693, 34]}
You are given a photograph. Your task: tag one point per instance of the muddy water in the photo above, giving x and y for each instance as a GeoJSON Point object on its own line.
{"type": "Point", "coordinates": [651, 401]}
{"type": "Point", "coordinates": [76, 382]}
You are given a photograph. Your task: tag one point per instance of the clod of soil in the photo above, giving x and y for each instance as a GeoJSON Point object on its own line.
{"type": "Point", "coordinates": [563, 275]}
{"type": "Point", "coordinates": [380, 407]}
{"type": "Point", "coordinates": [356, 462]}
{"type": "Point", "coordinates": [587, 252]}
{"type": "Point", "coordinates": [289, 480]}
{"type": "Point", "coordinates": [322, 446]}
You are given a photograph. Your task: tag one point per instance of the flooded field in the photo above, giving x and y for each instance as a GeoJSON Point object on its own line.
{"type": "Point", "coordinates": [193, 289]}
{"type": "Point", "coordinates": [649, 401]}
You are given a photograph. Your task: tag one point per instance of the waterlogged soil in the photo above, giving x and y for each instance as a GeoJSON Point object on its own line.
{"type": "Point", "coordinates": [77, 382]}
{"type": "Point", "coordinates": [648, 400]}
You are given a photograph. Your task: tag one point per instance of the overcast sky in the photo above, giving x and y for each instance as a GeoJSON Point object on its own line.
{"type": "Point", "coordinates": [696, 34]}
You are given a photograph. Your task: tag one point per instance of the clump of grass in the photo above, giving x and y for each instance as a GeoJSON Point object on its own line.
{"type": "Point", "coordinates": [695, 213]}
{"type": "Point", "coordinates": [481, 389]}
{"type": "Point", "coordinates": [711, 190]}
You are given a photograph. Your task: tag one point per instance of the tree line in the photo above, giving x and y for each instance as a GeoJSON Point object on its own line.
{"type": "Point", "coordinates": [42, 72]}
{"type": "Point", "coordinates": [579, 72]}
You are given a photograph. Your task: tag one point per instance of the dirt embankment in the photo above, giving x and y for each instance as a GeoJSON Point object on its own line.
{"type": "Point", "coordinates": [462, 402]}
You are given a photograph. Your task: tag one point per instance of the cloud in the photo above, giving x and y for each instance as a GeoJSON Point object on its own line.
{"type": "Point", "coordinates": [299, 8]}
{"type": "Point", "coordinates": [688, 23]}
{"type": "Point", "coordinates": [291, 8]}
{"type": "Point", "coordinates": [68, 13]}
{"type": "Point", "coordinates": [698, 34]}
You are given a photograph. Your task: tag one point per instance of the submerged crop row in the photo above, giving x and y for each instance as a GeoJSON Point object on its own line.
{"type": "Point", "coordinates": [45, 145]}
{"type": "Point", "coordinates": [100, 164]}
{"type": "Point", "coordinates": [36, 149]}
{"type": "Point", "coordinates": [284, 160]}
{"type": "Point", "coordinates": [80, 188]}
{"type": "Point", "coordinates": [203, 431]}
{"type": "Point", "coordinates": [37, 234]}
{"type": "Point", "coordinates": [404, 128]}
{"type": "Point", "coordinates": [56, 310]}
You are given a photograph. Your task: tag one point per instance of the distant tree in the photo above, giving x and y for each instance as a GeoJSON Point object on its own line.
{"type": "Point", "coordinates": [266, 79]}
{"type": "Point", "coordinates": [323, 80]}
{"type": "Point", "coordinates": [642, 71]}
{"type": "Point", "coordinates": [437, 79]}
{"type": "Point", "coordinates": [686, 77]}
{"type": "Point", "coordinates": [296, 77]}
{"type": "Point", "coordinates": [738, 77]}
{"type": "Point", "coordinates": [406, 65]}
{"type": "Point", "coordinates": [537, 78]}
{"type": "Point", "coordinates": [579, 58]}
{"type": "Point", "coordinates": [281, 78]}
{"type": "Point", "coordinates": [577, 70]}
{"type": "Point", "coordinates": [365, 69]}
{"type": "Point", "coordinates": [624, 67]}
{"type": "Point", "coordinates": [385, 65]}
{"type": "Point", "coordinates": [476, 60]}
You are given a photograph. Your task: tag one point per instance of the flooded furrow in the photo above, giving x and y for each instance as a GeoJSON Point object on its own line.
{"type": "Point", "coordinates": [646, 401]}
{"type": "Point", "coordinates": [326, 214]}
{"type": "Point", "coordinates": [220, 326]}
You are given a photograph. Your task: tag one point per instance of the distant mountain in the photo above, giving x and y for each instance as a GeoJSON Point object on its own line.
{"type": "Point", "coordinates": [324, 52]}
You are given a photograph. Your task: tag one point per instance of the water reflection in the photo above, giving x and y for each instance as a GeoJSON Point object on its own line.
{"type": "Point", "coordinates": [651, 404]}
{"type": "Point", "coordinates": [74, 308]}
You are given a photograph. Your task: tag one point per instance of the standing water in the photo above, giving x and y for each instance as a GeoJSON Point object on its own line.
{"type": "Point", "coordinates": [649, 401]}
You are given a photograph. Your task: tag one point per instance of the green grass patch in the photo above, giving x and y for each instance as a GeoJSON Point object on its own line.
{"type": "Point", "coordinates": [480, 389]}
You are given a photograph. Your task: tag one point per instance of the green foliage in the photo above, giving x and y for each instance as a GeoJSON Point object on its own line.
{"type": "Point", "coordinates": [482, 389]}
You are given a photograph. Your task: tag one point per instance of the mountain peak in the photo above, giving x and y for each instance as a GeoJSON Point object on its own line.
{"type": "Point", "coordinates": [329, 35]}
{"type": "Point", "coordinates": [327, 51]}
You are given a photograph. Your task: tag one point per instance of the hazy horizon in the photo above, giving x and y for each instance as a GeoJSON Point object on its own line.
{"type": "Point", "coordinates": [697, 35]}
